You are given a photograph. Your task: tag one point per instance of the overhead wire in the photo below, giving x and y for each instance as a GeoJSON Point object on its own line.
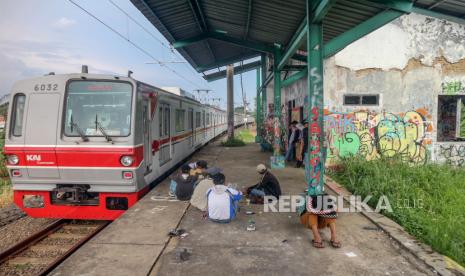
{"type": "Point", "coordinates": [156, 38]}
{"type": "Point", "coordinates": [133, 43]}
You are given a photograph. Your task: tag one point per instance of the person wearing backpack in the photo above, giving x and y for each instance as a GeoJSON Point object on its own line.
{"type": "Point", "coordinates": [222, 201]}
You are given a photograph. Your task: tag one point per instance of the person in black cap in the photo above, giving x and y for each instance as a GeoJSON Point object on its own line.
{"type": "Point", "coordinates": [268, 186]}
{"type": "Point", "coordinates": [304, 138]}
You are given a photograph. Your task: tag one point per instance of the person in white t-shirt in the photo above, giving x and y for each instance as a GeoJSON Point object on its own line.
{"type": "Point", "coordinates": [222, 201]}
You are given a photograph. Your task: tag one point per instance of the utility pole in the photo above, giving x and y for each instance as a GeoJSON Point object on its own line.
{"type": "Point", "coordinates": [230, 100]}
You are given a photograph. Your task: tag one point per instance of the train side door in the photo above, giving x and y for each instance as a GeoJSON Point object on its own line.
{"type": "Point", "coordinates": [165, 133]}
{"type": "Point", "coordinates": [191, 125]}
{"type": "Point", "coordinates": [204, 126]}
{"type": "Point", "coordinates": [147, 136]}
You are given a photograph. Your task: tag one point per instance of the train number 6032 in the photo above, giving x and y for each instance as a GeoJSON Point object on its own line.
{"type": "Point", "coordinates": [46, 87]}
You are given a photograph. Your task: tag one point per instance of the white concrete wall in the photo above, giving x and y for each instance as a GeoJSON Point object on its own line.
{"type": "Point", "coordinates": [409, 63]}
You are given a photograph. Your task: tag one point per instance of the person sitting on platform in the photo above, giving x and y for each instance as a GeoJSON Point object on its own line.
{"type": "Point", "coordinates": [315, 219]}
{"type": "Point", "coordinates": [268, 186]}
{"type": "Point", "coordinates": [199, 168]}
{"type": "Point", "coordinates": [182, 185]}
{"type": "Point", "coordinates": [222, 201]}
{"type": "Point", "coordinates": [199, 198]}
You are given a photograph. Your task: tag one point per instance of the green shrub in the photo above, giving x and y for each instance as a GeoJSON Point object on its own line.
{"type": "Point", "coordinates": [439, 190]}
{"type": "Point", "coordinates": [234, 142]}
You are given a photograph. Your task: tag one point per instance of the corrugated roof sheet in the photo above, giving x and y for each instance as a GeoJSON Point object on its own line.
{"type": "Point", "coordinates": [263, 21]}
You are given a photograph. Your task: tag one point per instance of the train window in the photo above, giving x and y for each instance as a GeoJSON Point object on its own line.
{"type": "Point", "coordinates": [208, 118]}
{"type": "Point", "coordinates": [98, 108]}
{"type": "Point", "coordinates": [167, 121]}
{"type": "Point", "coordinates": [160, 121]}
{"type": "Point", "coordinates": [190, 119]}
{"type": "Point", "coordinates": [197, 119]}
{"type": "Point", "coordinates": [18, 114]}
{"type": "Point", "coordinates": [180, 120]}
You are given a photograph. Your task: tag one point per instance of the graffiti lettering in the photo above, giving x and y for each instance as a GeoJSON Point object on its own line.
{"type": "Point", "coordinates": [374, 135]}
{"type": "Point", "coordinates": [452, 87]}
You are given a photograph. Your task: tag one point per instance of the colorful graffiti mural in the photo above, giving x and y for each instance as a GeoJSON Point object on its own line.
{"type": "Point", "coordinates": [374, 135]}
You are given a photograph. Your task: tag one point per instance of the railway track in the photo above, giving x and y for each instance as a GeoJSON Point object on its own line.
{"type": "Point", "coordinates": [43, 251]}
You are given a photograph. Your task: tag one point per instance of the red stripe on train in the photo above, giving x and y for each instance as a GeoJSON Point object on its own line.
{"type": "Point", "coordinates": [86, 156]}
{"type": "Point", "coordinates": [75, 157]}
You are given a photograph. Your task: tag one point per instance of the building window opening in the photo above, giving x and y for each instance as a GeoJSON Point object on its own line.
{"type": "Point", "coordinates": [451, 118]}
{"type": "Point", "coordinates": [361, 99]}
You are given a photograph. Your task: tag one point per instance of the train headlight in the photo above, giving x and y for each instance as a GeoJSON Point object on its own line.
{"type": "Point", "coordinates": [13, 159]}
{"type": "Point", "coordinates": [126, 160]}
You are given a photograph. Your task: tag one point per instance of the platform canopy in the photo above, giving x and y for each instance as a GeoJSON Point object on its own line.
{"type": "Point", "coordinates": [213, 33]}
{"type": "Point", "coordinates": [210, 34]}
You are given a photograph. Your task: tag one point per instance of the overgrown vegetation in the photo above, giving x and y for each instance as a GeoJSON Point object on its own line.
{"type": "Point", "coordinates": [6, 193]}
{"type": "Point", "coordinates": [243, 137]}
{"type": "Point", "coordinates": [428, 200]}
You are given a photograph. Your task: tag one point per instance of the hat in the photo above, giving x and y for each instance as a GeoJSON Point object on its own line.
{"type": "Point", "coordinates": [213, 171]}
{"type": "Point", "coordinates": [294, 122]}
{"type": "Point", "coordinates": [304, 122]}
{"type": "Point", "coordinates": [261, 168]}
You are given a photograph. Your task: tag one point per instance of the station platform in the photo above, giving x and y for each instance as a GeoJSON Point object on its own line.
{"type": "Point", "coordinates": [138, 243]}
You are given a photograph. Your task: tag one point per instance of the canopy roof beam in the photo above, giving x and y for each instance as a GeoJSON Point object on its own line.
{"type": "Point", "coordinates": [237, 70]}
{"type": "Point", "coordinates": [201, 22]}
{"type": "Point", "coordinates": [434, 14]}
{"type": "Point", "coordinates": [260, 47]}
{"type": "Point", "coordinates": [398, 5]}
{"type": "Point", "coordinates": [320, 12]}
{"type": "Point", "coordinates": [224, 62]}
{"type": "Point", "coordinates": [247, 25]}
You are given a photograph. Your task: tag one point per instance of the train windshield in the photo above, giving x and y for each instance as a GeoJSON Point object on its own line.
{"type": "Point", "coordinates": [98, 108]}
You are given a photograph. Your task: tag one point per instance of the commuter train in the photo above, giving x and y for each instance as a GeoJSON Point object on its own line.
{"type": "Point", "coordinates": [88, 146]}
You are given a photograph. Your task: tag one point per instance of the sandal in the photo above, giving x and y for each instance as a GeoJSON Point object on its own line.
{"type": "Point", "coordinates": [318, 244]}
{"type": "Point", "coordinates": [336, 244]}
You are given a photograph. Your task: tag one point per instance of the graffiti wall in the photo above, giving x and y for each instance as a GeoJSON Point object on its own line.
{"type": "Point", "coordinates": [420, 84]}
{"type": "Point", "coordinates": [373, 135]}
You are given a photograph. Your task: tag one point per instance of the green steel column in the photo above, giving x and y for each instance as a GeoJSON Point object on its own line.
{"type": "Point", "coordinates": [264, 100]}
{"type": "Point", "coordinates": [277, 103]}
{"type": "Point", "coordinates": [314, 169]}
{"type": "Point", "coordinates": [258, 109]}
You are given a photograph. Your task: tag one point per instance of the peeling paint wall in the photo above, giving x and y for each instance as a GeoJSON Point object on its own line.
{"type": "Point", "coordinates": [409, 63]}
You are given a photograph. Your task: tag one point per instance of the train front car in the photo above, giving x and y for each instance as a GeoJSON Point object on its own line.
{"type": "Point", "coordinates": [73, 148]}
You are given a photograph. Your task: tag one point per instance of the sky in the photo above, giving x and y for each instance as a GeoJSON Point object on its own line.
{"type": "Point", "coordinates": [38, 37]}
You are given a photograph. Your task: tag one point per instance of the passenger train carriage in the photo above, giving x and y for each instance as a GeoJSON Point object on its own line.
{"type": "Point", "coordinates": [87, 146]}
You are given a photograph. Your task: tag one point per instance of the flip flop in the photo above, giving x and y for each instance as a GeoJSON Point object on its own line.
{"type": "Point", "coordinates": [318, 244]}
{"type": "Point", "coordinates": [336, 244]}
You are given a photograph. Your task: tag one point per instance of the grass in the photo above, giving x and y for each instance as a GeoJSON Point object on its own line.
{"type": "Point", "coordinates": [6, 192]}
{"type": "Point", "coordinates": [243, 137]}
{"type": "Point", "coordinates": [428, 201]}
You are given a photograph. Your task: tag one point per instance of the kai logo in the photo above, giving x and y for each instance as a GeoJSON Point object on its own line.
{"type": "Point", "coordinates": [33, 157]}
